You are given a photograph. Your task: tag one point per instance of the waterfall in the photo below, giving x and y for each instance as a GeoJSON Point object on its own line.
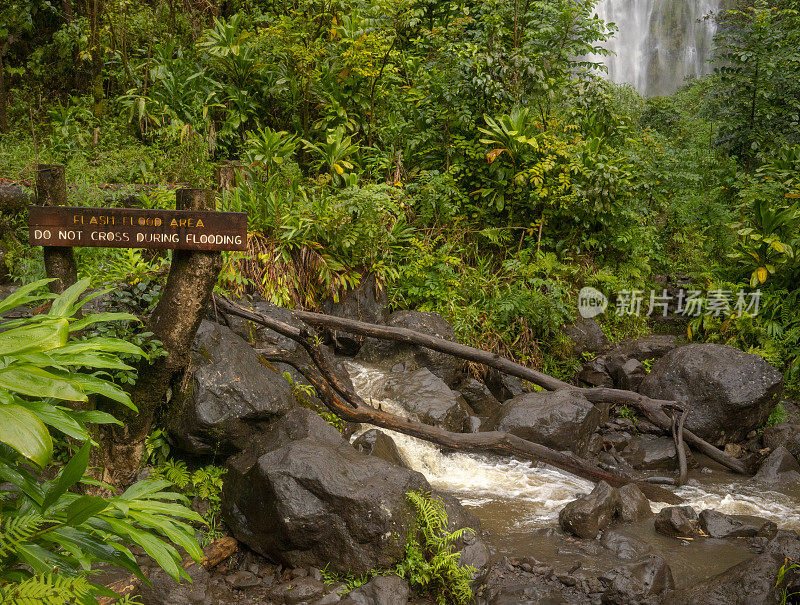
{"type": "Point", "coordinates": [659, 42]}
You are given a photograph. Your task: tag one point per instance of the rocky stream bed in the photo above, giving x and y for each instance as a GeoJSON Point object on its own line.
{"type": "Point", "coordinates": [301, 497]}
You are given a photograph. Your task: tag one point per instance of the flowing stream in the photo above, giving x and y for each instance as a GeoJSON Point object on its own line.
{"type": "Point", "coordinates": [512, 497]}
{"type": "Point", "coordinates": [659, 42]}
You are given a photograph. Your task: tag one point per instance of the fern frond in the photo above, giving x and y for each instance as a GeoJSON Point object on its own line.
{"type": "Point", "coordinates": [18, 530]}
{"type": "Point", "coordinates": [46, 589]}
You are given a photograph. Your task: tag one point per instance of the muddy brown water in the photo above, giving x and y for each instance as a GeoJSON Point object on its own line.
{"type": "Point", "coordinates": [518, 502]}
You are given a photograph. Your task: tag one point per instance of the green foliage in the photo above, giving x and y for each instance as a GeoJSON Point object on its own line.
{"type": "Point", "coordinates": [783, 591]}
{"type": "Point", "coordinates": [756, 99]}
{"type": "Point", "coordinates": [776, 416]}
{"type": "Point", "coordinates": [43, 525]}
{"type": "Point", "coordinates": [430, 565]}
{"type": "Point", "coordinates": [304, 394]}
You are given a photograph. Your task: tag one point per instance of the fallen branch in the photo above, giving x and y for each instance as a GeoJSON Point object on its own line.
{"type": "Point", "coordinates": [652, 408]}
{"type": "Point", "coordinates": [348, 405]}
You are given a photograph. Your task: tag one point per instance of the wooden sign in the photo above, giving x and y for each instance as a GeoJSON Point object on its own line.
{"type": "Point", "coordinates": [137, 228]}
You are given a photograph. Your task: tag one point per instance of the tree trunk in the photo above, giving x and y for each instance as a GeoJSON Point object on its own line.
{"type": "Point", "coordinates": [174, 322]}
{"type": "Point", "coordinates": [652, 408]}
{"type": "Point", "coordinates": [59, 261]}
{"type": "Point", "coordinates": [346, 404]}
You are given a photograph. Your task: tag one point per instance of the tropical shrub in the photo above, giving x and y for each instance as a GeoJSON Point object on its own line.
{"type": "Point", "coordinates": [51, 537]}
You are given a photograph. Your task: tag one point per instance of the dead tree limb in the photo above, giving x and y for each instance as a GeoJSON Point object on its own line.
{"type": "Point", "coordinates": [652, 408]}
{"type": "Point", "coordinates": [349, 406]}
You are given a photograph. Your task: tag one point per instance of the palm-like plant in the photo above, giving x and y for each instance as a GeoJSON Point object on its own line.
{"type": "Point", "coordinates": [335, 153]}
{"type": "Point", "coordinates": [47, 532]}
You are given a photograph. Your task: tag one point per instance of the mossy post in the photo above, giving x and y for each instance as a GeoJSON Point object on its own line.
{"type": "Point", "coordinates": [59, 261]}
{"type": "Point", "coordinates": [174, 322]}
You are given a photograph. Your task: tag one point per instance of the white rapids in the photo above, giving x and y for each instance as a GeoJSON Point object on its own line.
{"type": "Point", "coordinates": [536, 493]}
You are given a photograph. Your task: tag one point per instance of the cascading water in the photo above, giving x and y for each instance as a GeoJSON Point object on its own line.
{"type": "Point", "coordinates": [659, 42]}
{"type": "Point", "coordinates": [514, 497]}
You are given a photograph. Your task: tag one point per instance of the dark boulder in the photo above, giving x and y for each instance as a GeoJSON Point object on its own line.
{"type": "Point", "coordinates": [779, 469]}
{"type": "Point", "coordinates": [633, 504]}
{"type": "Point", "coordinates": [720, 525]}
{"type": "Point", "coordinates": [728, 393]}
{"type": "Point", "coordinates": [630, 583]}
{"type": "Point", "coordinates": [783, 435]}
{"type": "Point", "coordinates": [478, 396]}
{"type": "Point", "coordinates": [587, 336]}
{"type": "Point", "coordinates": [389, 353]}
{"type": "Point", "coordinates": [654, 346]}
{"type": "Point", "coordinates": [296, 591]}
{"type": "Point", "coordinates": [622, 546]}
{"type": "Point", "coordinates": [561, 420]}
{"type": "Point", "coordinates": [229, 394]}
{"type": "Point", "coordinates": [589, 515]}
{"type": "Point", "coordinates": [626, 372]}
{"type": "Point", "coordinates": [366, 302]}
{"type": "Point", "coordinates": [262, 337]}
{"type": "Point", "coordinates": [648, 452]}
{"type": "Point", "coordinates": [503, 386]}
{"type": "Point", "coordinates": [428, 399]}
{"type": "Point", "coordinates": [677, 521]}
{"type": "Point", "coordinates": [382, 590]}
{"type": "Point", "coordinates": [377, 443]}
{"type": "Point", "coordinates": [302, 496]}
{"type": "Point", "coordinates": [595, 374]}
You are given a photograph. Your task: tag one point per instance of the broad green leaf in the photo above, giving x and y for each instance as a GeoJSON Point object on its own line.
{"type": "Point", "coordinates": [23, 431]}
{"type": "Point", "coordinates": [69, 475]}
{"type": "Point", "coordinates": [83, 508]}
{"type": "Point", "coordinates": [100, 317]}
{"type": "Point", "coordinates": [178, 533]}
{"type": "Point", "coordinates": [57, 418]}
{"type": "Point", "coordinates": [87, 359]}
{"type": "Point", "coordinates": [42, 336]}
{"type": "Point", "coordinates": [33, 381]}
{"type": "Point", "coordinates": [93, 384]}
{"type": "Point", "coordinates": [20, 297]}
{"type": "Point", "coordinates": [95, 417]}
{"type": "Point", "coordinates": [109, 345]}
{"type": "Point", "coordinates": [63, 305]}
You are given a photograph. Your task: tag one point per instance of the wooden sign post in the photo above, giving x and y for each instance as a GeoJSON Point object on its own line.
{"type": "Point", "coordinates": [197, 234]}
{"type": "Point", "coordinates": [65, 226]}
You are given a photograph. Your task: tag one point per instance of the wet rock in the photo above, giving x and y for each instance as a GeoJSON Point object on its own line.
{"type": "Point", "coordinates": [503, 386]}
{"type": "Point", "coordinates": [633, 504]}
{"type": "Point", "coordinates": [589, 515]}
{"type": "Point", "coordinates": [242, 579]}
{"type": "Point", "coordinates": [382, 590]}
{"type": "Point", "coordinates": [477, 556]}
{"type": "Point", "coordinates": [649, 452]}
{"type": "Point", "coordinates": [429, 399]}
{"type": "Point", "coordinates": [676, 521]}
{"type": "Point", "coordinates": [647, 577]}
{"type": "Point", "coordinates": [262, 337]}
{"type": "Point", "coordinates": [594, 374]}
{"type": "Point", "coordinates": [587, 336]}
{"type": "Point", "coordinates": [626, 372]}
{"type": "Point", "coordinates": [783, 435]}
{"type": "Point", "coordinates": [301, 590]}
{"type": "Point", "coordinates": [560, 420]}
{"type": "Point", "coordinates": [229, 397]}
{"type": "Point", "coordinates": [389, 353]}
{"type": "Point", "coordinates": [728, 393]}
{"type": "Point", "coordinates": [377, 443]}
{"type": "Point", "coordinates": [779, 469]}
{"type": "Point", "coordinates": [366, 302]}
{"type": "Point", "coordinates": [654, 346]}
{"type": "Point", "coordinates": [751, 581]}
{"type": "Point", "coordinates": [624, 547]}
{"type": "Point", "coordinates": [478, 396]}
{"type": "Point", "coordinates": [720, 525]}
{"type": "Point", "coordinates": [301, 495]}
{"type": "Point", "coordinates": [163, 590]}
